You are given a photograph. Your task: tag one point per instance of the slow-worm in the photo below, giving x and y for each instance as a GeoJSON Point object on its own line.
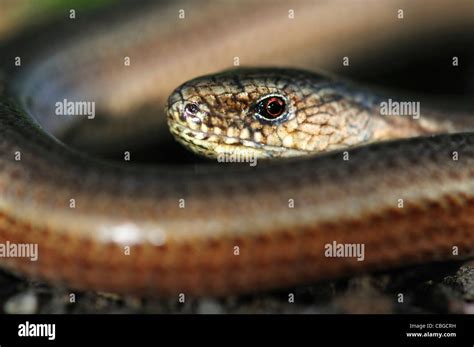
{"type": "Point", "coordinates": [220, 229]}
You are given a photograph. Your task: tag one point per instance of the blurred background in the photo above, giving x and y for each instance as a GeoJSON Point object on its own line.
{"type": "Point", "coordinates": [410, 56]}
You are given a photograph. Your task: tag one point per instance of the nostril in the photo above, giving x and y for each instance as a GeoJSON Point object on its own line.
{"type": "Point", "coordinates": [190, 112]}
{"type": "Point", "coordinates": [191, 109]}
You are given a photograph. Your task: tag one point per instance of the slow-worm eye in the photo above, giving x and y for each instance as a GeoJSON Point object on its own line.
{"type": "Point", "coordinates": [275, 107]}
{"type": "Point", "coordinates": [271, 108]}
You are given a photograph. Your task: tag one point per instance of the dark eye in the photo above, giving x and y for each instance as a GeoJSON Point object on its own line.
{"type": "Point", "coordinates": [270, 108]}
{"type": "Point", "coordinates": [191, 109]}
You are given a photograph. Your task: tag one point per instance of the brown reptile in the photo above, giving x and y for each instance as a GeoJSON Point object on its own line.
{"type": "Point", "coordinates": [220, 230]}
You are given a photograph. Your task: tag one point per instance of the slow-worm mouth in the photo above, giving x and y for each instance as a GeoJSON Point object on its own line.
{"type": "Point", "coordinates": [212, 145]}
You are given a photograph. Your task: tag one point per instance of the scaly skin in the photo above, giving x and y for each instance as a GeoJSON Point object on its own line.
{"type": "Point", "coordinates": [192, 250]}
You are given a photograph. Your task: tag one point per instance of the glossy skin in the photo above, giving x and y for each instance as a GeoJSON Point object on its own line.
{"type": "Point", "coordinates": [240, 229]}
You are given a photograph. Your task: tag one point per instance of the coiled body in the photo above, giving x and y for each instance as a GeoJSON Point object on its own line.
{"type": "Point", "coordinates": [212, 231]}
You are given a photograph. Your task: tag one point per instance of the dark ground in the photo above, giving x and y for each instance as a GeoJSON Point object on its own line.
{"type": "Point", "coordinates": [434, 288]}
